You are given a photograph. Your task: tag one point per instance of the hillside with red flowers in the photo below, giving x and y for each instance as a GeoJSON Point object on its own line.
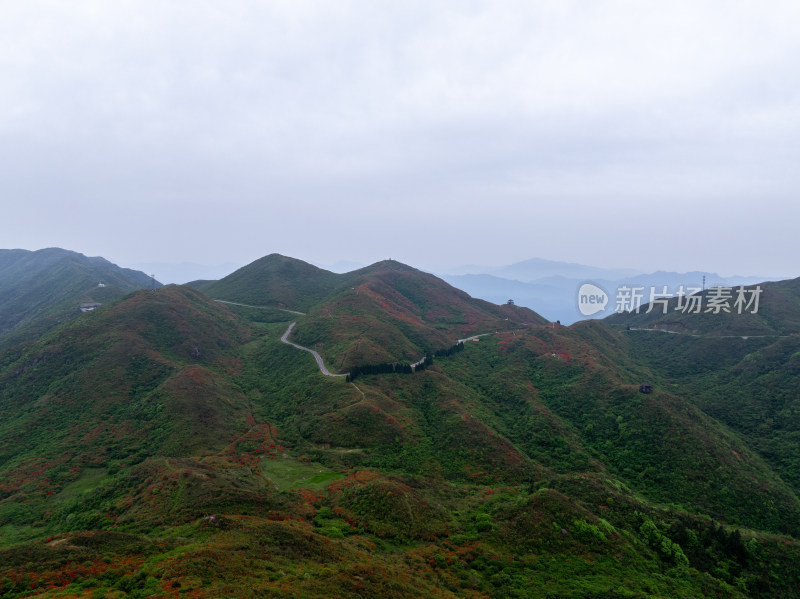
{"type": "Point", "coordinates": [390, 312]}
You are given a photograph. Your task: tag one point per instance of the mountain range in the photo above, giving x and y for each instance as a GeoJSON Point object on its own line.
{"type": "Point", "coordinates": [170, 442]}
{"type": "Point", "coordinates": [552, 287]}
{"type": "Point", "coordinates": [548, 286]}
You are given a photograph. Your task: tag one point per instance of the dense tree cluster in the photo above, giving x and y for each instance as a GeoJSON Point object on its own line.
{"type": "Point", "coordinates": [442, 353]}
{"type": "Point", "coordinates": [380, 368]}
{"type": "Point", "coordinates": [401, 368]}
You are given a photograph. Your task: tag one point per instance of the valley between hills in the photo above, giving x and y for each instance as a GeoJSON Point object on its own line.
{"type": "Point", "coordinates": [173, 442]}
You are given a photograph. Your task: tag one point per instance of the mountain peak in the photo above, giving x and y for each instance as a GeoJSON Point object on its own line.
{"type": "Point", "coordinates": [276, 260]}
{"type": "Point", "coordinates": [386, 265]}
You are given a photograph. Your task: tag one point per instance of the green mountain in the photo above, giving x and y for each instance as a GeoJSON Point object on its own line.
{"type": "Point", "coordinates": [277, 281]}
{"type": "Point", "coordinates": [387, 312]}
{"type": "Point", "coordinates": [41, 289]}
{"type": "Point", "coordinates": [173, 445]}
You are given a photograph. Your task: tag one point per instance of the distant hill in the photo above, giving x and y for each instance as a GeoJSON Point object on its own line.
{"type": "Point", "coordinates": [539, 268]}
{"type": "Point", "coordinates": [40, 289]}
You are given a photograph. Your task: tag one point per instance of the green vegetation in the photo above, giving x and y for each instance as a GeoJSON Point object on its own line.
{"type": "Point", "coordinates": [172, 446]}
{"type": "Point", "coordinates": [749, 385]}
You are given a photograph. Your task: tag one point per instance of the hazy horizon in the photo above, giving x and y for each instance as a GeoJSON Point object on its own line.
{"type": "Point", "coordinates": [179, 272]}
{"type": "Point", "coordinates": [342, 266]}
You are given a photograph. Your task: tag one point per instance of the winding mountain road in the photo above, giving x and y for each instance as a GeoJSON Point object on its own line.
{"type": "Point", "coordinates": [317, 357]}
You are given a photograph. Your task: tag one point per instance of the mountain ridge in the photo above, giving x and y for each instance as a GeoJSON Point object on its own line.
{"type": "Point", "coordinates": [385, 312]}
{"type": "Point", "coordinates": [49, 285]}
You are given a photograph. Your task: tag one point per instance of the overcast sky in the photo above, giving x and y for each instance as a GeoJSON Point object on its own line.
{"type": "Point", "coordinates": [650, 135]}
